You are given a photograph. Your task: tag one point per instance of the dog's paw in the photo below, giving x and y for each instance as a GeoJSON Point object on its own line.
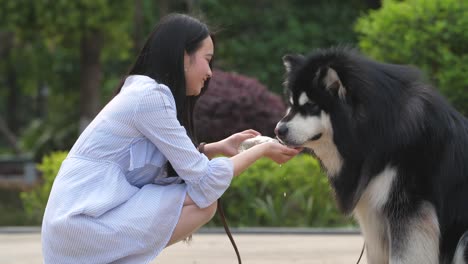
{"type": "Point", "coordinates": [255, 141]}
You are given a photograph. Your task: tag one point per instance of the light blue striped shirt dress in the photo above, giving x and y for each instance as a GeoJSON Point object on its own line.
{"type": "Point", "coordinates": [112, 201]}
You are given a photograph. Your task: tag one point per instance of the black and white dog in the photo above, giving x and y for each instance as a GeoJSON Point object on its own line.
{"type": "Point", "coordinates": [395, 152]}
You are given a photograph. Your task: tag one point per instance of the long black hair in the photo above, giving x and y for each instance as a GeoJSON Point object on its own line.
{"type": "Point", "coordinates": [162, 59]}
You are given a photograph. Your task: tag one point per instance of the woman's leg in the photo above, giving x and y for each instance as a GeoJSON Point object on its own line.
{"type": "Point", "coordinates": [191, 219]}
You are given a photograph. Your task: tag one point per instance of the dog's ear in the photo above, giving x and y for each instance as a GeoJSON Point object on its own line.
{"type": "Point", "coordinates": [333, 84]}
{"type": "Point", "coordinates": [292, 61]}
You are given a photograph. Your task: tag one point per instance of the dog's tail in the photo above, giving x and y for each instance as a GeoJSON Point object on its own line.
{"type": "Point", "coordinates": [461, 252]}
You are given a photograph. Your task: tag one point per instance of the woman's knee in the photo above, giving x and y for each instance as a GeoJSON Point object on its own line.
{"type": "Point", "coordinates": [207, 212]}
{"type": "Point", "coordinates": [210, 211]}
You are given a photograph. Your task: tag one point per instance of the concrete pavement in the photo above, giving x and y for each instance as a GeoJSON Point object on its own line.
{"type": "Point", "coordinates": [257, 246]}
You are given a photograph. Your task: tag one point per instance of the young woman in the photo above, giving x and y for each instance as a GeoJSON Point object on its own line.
{"type": "Point", "coordinates": [134, 182]}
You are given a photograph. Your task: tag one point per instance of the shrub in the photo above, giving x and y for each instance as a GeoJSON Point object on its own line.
{"type": "Point", "coordinates": [294, 194]}
{"type": "Point", "coordinates": [11, 209]}
{"type": "Point", "coordinates": [266, 194]}
{"type": "Point", "coordinates": [35, 201]}
{"type": "Point", "coordinates": [430, 34]}
{"type": "Point", "coordinates": [234, 103]}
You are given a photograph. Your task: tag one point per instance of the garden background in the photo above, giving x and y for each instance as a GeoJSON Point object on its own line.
{"type": "Point", "coordinates": [61, 60]}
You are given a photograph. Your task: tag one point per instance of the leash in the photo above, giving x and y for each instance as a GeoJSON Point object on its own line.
{"type": "Point", "coordinates": [226, 228]}
{"type": "Point", "coordinates": [201, 148]}
{"type": "Point", "coordinates": [362, 251]}
{"type": "Point", "coordinates": [228, 233]}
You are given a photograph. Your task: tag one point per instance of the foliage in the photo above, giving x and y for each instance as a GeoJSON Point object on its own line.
{"type": "Point", "coordinates": [35, 201]}
{"type": "Point", "coordinates": [11, 209]}
{"type": "Point", "coordinates": [430, 34]}
{"type": "Point", "coordinates": [43, 59]}
{"type": "Point", "coordinates": [266, 194]}
{"type": "Point", "coordinates": [66, 22]}
{"type": "Point", "coordinates": [253, 36]}
{"type": "Point", "coordinates": [234, 103]}
{"type": "Point", "coordinates": [294, 194]}
{"type": "Point", "coordinates": [44, 135]}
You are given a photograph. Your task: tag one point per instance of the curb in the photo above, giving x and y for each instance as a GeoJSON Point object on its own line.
{"type": "Point", "coordinates": [20, 229]}
{"type": "Point", "coordinates": [282, 231]}
{"type": "Point", "coordinates": [220, 230]}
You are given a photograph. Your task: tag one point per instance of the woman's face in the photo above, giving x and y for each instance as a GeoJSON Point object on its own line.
{"type": "Point", "coordinates": [197, 68]}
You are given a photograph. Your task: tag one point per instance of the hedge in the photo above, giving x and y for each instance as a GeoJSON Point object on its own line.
{"type": "Point", "coordinates": [295, 194]}
{"type": "Point", "coordinates": [430, 34]}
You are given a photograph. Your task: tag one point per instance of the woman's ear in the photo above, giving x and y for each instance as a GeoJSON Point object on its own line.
{"type": "Point", "coordinates": [186, 61]}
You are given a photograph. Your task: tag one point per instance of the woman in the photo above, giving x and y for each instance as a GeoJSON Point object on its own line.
{"type": "Point", "coordinates": [113, 200]}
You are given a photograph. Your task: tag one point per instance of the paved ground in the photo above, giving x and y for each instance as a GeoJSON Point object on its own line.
{"type": "Point", "coordinates": [215, 248]}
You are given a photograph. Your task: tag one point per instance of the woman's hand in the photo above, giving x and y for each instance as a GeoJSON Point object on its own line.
{"type": "Point", "coordinates": [272, 150]}
{"type": "Point", "coordinates": [279, 153]}
{"type": "Point", "coordinates": [230, 145]}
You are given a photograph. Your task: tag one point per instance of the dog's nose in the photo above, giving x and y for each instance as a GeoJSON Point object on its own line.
{"type": "Point", "coordinates": [281, 131]}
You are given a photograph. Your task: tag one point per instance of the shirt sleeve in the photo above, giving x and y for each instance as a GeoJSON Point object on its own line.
{"type": "Point", "coordinates": [156, 118]}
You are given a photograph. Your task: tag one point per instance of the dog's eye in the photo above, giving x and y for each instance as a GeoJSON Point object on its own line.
{"type": "Point", "coordinates": [312, 107]}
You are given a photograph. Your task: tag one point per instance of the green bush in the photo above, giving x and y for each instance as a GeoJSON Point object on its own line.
{"type": "Point", "coordinates": [292, 195]}
{"type": "Point", "coordinates": [233, 103]}
{"type": "Point", "coordinates": [11, 209]}
{"type": "Point", "coordinates": [254, 35]}
{"type": "Point", "coordinates": [266, 194]}
{"type": "Point", "coordinates": [35, 201]}
{"type": "Point", "coordinates": [431, 34]}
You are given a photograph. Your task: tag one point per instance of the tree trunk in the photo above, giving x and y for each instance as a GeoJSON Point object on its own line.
{"type": "Point", "coordinates": [13, 94]}
{"type": "Point", "coordinates": [163, 7]}
{"type": "Point", "coordinates": [190, 6]}
{"type": "Point", "coordinates": [9, 136]}
{"type": "Point", "coordinates": [138, 23]}
{"type": "Point", "coordinates": [41, 100]}
{"type": "Point", "coordinates": [90, 78]}
{"type": "Point", "coordinates": [374, 4]}
{"type": "Point", "coordinates": [12, 97]}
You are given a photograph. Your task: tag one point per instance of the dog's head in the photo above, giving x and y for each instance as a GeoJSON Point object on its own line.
{"type": "Point", "coordinates": [317, 99]}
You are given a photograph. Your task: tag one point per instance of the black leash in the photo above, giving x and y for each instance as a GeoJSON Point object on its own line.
{"type": "Point", "coordinates": [228, 233]}
{"type": "Point", "coordinates": [226, 228]}
{"type": "Point", "coordinates": [362, 252]}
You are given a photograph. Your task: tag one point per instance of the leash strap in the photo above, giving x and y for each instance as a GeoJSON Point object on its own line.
{"type": "Point", "coordinates": [362, 251]}
{"type": "Point", "coordinates": [228, 232]}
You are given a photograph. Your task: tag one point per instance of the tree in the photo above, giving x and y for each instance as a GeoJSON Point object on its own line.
{"type": "Point", "coordinates": [53, 61]}
{"type": "Point", "coordinates": [18, 52]}
{"type": "Point", "coordinates": [430, 34]}
{"type": "Point", "coordinates": [254, 35]}
{"type": "Point", "coordinates": [9, 136]}
{"type": "Point", "coordinates": [88, 26]}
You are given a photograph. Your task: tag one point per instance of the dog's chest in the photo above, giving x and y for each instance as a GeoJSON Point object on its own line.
{"type": "Point", "coordinates": [369, 212]}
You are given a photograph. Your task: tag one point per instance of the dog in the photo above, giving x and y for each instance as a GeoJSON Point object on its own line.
{"type": "Point", "coordinates": [394, 151]}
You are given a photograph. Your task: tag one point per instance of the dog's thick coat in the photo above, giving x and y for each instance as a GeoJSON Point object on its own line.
{"type": "Point", "coordinates": [396, 153]}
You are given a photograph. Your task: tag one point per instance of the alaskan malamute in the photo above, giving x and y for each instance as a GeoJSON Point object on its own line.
{"type": "Point", "coordinates": [396, 153]}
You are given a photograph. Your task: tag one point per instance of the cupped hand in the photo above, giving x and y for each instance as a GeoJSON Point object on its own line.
{"type": "Point", "coordinates": [230, 145]}
{"type": "Point", "coordinates": [280, 153]}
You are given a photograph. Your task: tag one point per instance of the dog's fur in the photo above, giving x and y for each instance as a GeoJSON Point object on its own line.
{"type": "Point", "coordinates": [395, 152]}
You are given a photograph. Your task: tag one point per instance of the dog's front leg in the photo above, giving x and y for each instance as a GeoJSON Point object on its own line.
{"type": "Point", "coordinates": [415, 239]}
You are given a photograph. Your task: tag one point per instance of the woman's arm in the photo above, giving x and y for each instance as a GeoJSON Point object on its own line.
{"type": "Point", "coordinates": [241, 161]}
{"type": "Point", "coordinates": [274, 151]}
{"type": "Point", "coordinates": [212, 150]}
{"type": "Point", "coordinates": [229, 146]}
